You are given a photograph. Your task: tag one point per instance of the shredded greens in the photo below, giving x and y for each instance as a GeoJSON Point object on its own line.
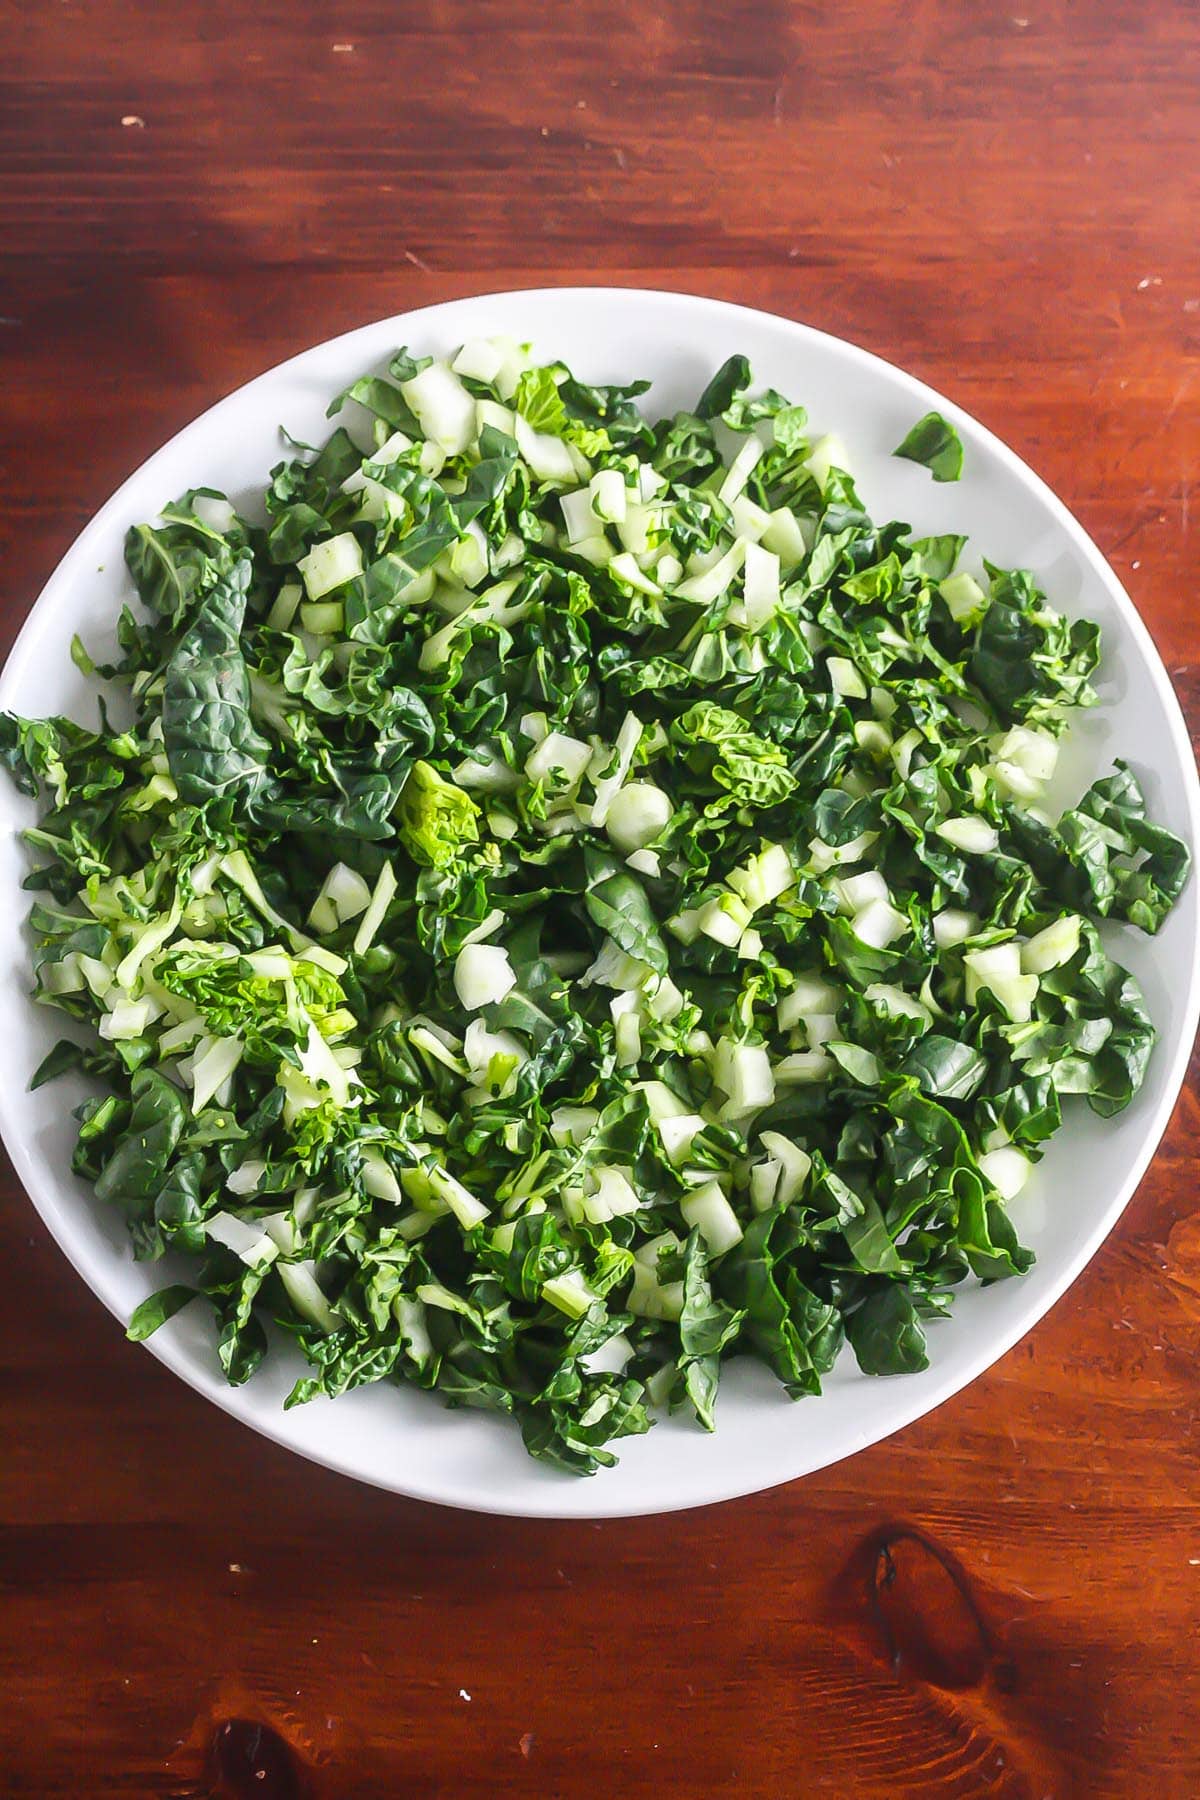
{"type": "Point", "coordinates": [575, 899]}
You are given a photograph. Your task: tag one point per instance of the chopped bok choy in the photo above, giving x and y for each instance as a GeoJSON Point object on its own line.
{"type": "Point", "coordinates": [575, 899]}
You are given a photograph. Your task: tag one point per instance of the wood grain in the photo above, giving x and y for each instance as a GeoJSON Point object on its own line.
{"type": "Point", "coordinates": [1001, 196]}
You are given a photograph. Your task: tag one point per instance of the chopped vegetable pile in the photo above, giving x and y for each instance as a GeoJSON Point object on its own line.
{"type": "Point", "coordinates": [576, 899]}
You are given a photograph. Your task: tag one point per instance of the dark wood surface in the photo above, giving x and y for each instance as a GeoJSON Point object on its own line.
{"type": "Point", "coordinates": [1001, 195]}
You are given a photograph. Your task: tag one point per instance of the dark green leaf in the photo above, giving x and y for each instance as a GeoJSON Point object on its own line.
{"type": "Point", "coordinates": [934, 443]}
{"type": "Point", "coordinates": [156, 1309]}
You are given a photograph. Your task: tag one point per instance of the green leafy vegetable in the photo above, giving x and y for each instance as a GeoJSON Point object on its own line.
{"type": "Point", "coordinates": [212, 745]}
{"type": "Point", "coordinates": [934, 443]}
{"type": "Point", "coordinates": [157, 1309]}
{"type": "Point", "coordinates": [576, 899]}
{"type": "Point", "coordinates": [433, 818]}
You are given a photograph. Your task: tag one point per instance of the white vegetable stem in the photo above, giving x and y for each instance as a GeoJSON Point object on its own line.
{"type": "Point", "coordinates": [483, 975]}
{"type": "Point", "coordinates": [330, 564]}
{"type": "Point", "coordinates": [636, 815]}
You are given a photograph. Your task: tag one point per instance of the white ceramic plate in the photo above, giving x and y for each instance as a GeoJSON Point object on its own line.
{"type": "Point", "coordinates": [407, 1441]}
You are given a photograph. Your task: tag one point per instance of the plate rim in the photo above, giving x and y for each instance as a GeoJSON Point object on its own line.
{"type": "Point", "coordinates": [721, 1488]}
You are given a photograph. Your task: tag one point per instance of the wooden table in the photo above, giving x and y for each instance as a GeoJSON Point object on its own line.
{"type": "Point", "coordinates": [1002, 197]}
